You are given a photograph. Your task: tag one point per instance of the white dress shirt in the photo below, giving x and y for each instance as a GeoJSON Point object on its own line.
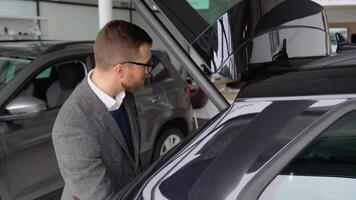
{"type": "Point", "coordinates": [110, 103]}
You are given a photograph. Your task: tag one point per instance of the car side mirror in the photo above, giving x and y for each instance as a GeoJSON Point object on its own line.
{"type": "Point", "coordinates": [24, 107]}
{"type": "Point", "coordinates": [343, 44]}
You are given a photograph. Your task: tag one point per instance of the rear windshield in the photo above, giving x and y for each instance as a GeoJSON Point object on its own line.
{"type": "Point", "coordinates": [232, 34]}
{"type": "Point", "coordinates": [193, 17]}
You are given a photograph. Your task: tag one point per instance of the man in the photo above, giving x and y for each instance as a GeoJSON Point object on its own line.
{"type": "Point", "coordinates": [96, 133]}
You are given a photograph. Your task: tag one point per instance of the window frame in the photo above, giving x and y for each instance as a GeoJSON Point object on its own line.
{"type": "Point", "coordinates": [52, 65]}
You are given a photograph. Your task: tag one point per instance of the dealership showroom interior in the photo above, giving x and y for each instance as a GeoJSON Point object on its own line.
{"type": "Point", "coordinates": [178, 99]}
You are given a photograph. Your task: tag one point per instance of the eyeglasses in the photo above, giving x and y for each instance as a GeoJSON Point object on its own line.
{"type": "Point", "coordinates": [149, 65]}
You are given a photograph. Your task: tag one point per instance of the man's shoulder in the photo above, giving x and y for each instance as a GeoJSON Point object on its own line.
{"type": "Point", "coordinates": [76, 106]}
{"type": "Point", "coordinates": [81, 91]}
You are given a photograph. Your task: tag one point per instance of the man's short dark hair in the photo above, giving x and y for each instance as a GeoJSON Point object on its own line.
{"type": "Point", "coordinates": [118, 41]}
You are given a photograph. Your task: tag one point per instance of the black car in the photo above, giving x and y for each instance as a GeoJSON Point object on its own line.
{"type": "Point", "coordinates": [36, 77]}
{"type": "Point", "coordinates": [290, 133]}
{"type": "Point", "coordinates": [279, 148]}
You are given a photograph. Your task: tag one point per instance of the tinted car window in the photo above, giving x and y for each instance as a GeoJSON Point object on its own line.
{"type": "Point", "coordinates": [297, 40]}
{"type": "Point", "coordinates": [9, 67]}
{"type": "Point", "coordinates": [55, 83]}
{"type": "Point", "coordinates": [219, 43]}
{"type": "Point", "coordinates": [328, 163]}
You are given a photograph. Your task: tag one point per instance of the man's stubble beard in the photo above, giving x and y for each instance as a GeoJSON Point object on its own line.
{"type": "Point", "coordinates": [132, 88]}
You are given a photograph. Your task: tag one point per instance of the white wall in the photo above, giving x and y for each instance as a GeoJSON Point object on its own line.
{"type": "Point", "coordinates": [341, 14]}
{"type": "Point", "coordinates": [74, 22]}
{"type": "Point", "coordinates": [17, 8]}
{"type": "Point", "coordinates": [336, 2]}
{"type": "Point", "coordinates": [17, 20]}
{"type": "Point", "coordinates": [71, 22]}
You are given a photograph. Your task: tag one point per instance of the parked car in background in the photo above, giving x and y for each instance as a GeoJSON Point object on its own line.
{"type": "Point", "coordinates": [36, 77]}
{"type": "Point", "coordinates": [290, 133]}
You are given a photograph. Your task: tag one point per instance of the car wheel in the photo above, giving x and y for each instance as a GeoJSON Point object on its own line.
{"type": "Point", "coordinates": [168, 139]}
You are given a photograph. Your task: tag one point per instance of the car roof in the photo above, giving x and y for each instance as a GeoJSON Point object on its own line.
{"type": "Point", "coordinates": [31, 49]}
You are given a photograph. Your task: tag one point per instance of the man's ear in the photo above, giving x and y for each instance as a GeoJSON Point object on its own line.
{"type": "Point", "coordinates": [119, 69]}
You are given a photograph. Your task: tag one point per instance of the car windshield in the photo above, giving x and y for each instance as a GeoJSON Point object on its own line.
{"type": "Point", "coordinates": [225, 33]}
{"type": "Point", "coordinates": [9, 68]}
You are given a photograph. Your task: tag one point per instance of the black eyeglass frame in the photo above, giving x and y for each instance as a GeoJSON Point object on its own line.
{"type": "Point", "coordinates": [149, 65]}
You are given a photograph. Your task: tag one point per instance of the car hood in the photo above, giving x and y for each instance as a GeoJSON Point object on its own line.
{"type": "Point", "coordinates": [230, 35]}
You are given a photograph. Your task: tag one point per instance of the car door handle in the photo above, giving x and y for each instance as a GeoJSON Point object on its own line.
{"type": "Point", "coordinates": [156, 99]}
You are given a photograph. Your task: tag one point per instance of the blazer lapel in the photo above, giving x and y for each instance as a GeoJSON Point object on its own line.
{"type": "Point", "coordinates": [114, 129]}
{"type": "Point", "coordinates": [132, 115]}
{"type": "Point", "coordinates": [108, 120]}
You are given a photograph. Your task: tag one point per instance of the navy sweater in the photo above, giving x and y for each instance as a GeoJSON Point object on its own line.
{"type": "Point", "coordinates": [122, 120]}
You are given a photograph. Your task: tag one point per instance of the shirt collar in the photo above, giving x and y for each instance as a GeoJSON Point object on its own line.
{"type": "Point", "coordinates": [110, 103]}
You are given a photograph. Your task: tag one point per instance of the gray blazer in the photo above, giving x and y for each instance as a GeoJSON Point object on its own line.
{"type": "Point", "coordinates": [93, 157]}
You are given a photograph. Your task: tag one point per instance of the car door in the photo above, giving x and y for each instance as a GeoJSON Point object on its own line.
{"type": "Point", "coordinates": [4, 192]}
{"type": "Point", "coordinates": [32, 168]}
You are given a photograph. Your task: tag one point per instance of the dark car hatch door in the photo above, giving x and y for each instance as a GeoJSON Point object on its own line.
{"type": "Point", "coordinates": [222, 32]}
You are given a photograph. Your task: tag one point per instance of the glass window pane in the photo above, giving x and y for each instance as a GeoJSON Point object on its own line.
{"type": "Point", "coordinates": [9, 67]}
{"type": "Point", "coordinates": [45, 74]}
{"type": "Point", "coordinates": [332, 31]}
{"type": "Point", "coordinates": [298, 41]}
